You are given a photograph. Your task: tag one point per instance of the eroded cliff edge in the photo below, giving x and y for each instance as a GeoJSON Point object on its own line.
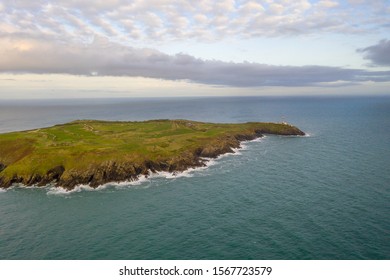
{"type": "Point", "coordinates": [97, 152]}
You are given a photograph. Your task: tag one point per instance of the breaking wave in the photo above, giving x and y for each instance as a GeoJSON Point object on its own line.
{"type": "Point", "coordinates": [53, 190]}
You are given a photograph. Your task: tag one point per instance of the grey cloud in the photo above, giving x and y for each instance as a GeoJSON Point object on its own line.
{"type": "Point", "coordinates": [109, 59]}
{"type": "Point", "coordinates": [379, 54]}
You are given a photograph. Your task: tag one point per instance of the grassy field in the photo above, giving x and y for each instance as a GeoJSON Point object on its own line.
{"type": "Point", "coordinates": [81, 144]}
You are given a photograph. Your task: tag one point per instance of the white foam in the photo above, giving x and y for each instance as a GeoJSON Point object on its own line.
{"type": "Point", "coordinates": [209, 162]}
{"type": "Point", "coordinates": [173, 175]}
{"type": "Point", "coordinates": [10, 188]}
{"type": "Point", "coordinates": [139, 181]}
{"type": "Point", "coordinates": [79, 188]}
{"type": "Point", "coordinates": [243, 147]}
{"type": "Point", "coordinates": [259, 139]}
{"type": "Point", "coordinates": [53, 190]}
{"type": "Point", "coordinates": [29, 187]}
{"type": "Point", "coordinates": [57, 190]}
{"type": "Point", "coordinates": [22, 186]}
{"type": "Point", "coordinates": [235, 152]}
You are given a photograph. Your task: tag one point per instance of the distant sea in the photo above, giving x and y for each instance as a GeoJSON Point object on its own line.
{"type": "Point", "coordinates": [324, 196]}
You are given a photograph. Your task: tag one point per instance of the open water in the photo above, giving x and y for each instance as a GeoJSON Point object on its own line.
{"type": "Point", "coordinates": [325, 196]}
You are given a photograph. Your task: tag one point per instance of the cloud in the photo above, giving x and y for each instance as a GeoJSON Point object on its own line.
{"type": "Point", "coordinates": [327, 4]}
{"type": "Point", "coordinates": [75, 37]}
{"type": "Point", "coordinates": [164, 20]}
{"type": "Point", "coordinates": [379, 54]}
{"type": "Point", "coordinates": [105, 58]}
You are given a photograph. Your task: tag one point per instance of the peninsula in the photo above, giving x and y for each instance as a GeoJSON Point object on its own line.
{"type": "Point", "coordinates": [95, 152]}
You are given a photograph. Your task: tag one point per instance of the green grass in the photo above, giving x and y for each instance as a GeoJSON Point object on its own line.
{"type": "Point", "coordinates": [84, 143]}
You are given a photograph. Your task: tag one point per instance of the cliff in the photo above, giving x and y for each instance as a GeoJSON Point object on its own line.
{"type": "Point", "coordinates": [97, 152]}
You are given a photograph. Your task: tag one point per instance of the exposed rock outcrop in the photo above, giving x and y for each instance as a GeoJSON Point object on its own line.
{"type": "Point", "coordinates": [2, 166]}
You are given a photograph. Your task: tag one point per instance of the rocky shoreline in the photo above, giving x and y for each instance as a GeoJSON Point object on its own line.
{"type": "Point", "coordinates": [118, 171]}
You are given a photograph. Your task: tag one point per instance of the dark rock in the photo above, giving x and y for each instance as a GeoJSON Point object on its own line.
{"type": "Point", "coordinates": [4, 183]}
{"type": "Point", "coordinates": [16, 180]}
{"type": "Point", "coordinates": [247, 137]}
{"type": "Point", "coordinates": [221, 147]}
{"type": "Point", "coordinates": [33, 180]}
{"type": "Point", "coordinates": [151, 165]}
{"type": "Point", "coordinates": [2, 166]}
{"type": "Point", "coordinates": [55, 173]}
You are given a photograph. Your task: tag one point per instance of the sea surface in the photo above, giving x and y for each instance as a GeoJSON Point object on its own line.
{"type": "Point", "coordinates": [324, 196]}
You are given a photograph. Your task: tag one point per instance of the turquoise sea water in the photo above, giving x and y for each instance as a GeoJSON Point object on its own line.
{"type": "Point", "coordinates": [325, 196]}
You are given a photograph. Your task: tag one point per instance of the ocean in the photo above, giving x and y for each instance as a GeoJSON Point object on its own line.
{"type": "Point", "coordinates": [323, 196]}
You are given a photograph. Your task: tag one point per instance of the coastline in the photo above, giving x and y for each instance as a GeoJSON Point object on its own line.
{"type": "Point", "coordinates": [52, 189]}
{"type": "Point", "coordinates": [106, 172]}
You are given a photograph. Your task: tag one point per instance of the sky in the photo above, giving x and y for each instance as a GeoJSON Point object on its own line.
{"type": "Point", "coordinates": [118, 48]}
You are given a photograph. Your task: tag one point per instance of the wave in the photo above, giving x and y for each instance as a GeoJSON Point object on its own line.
{"type": "Point", "coordinates": [141, 180]}
{"type": "Point", "coordinates": [53, 190]}
{"type": "Point", "coordinates": [259, 139]}
{"type": "Point", "coordinates": [21, 186]}
{"type": "Point", "coordinates": [3, 190]}
{"type": "Point", "coordinates": [79, 188]}
{"type": "Point", "coordinates": [173, 175]}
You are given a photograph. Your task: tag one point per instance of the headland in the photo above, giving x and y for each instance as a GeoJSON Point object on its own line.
{"type": "Point", "coordinates": [92, 152]}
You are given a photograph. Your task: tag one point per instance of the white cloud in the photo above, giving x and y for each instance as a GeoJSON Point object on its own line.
{"type": "Point", "coordinates": [224, 6]}
{"type": "Point", "coordinates": [276, 8]}
{"type": "Point", "coordinates": [356, 1]}
{"type": "Point", "coordinates": [201, 18]}
{"type": "Point", "coordinates": [164, 20]}
{"type": "Point", "coordinates": [327, 4]}
{"type": "Point", "coordinates": [251, 7]}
